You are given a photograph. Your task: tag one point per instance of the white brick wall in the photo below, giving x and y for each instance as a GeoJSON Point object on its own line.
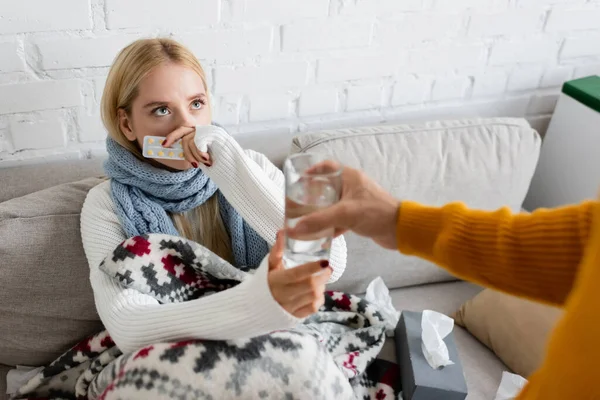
{"type": "Point", "coordinates": [524, 51]}
{"type": "Point", "coordinates": [415, 28]}
{"type": "Point", "coordinates": [439, 60]}
{"type": "Point", "coordinates": [157, 13]}
{"type": "Point", "coordinates": [363, 98]}
{"type": "Point", "coordinates": [41, 95]}
{"type": "Point", "coordinates": [90, 127]}
{"type": "Point", "coordinates": [265, 10]}
{"type": "Point", "coordinates": [554, 77]}
{"type": "Point", "coordinates": [44, 131]}
{"type": "Point", "coordinates": [326, 34]}
{"type": "Point", "coordinates": [317, 101]}
{"type": "Point", "coordinates": [411, 90]}
{"type": "Point", "coordinates": [353, 68]}
{"type": "Point", "coordinates": [584, 46]}
{"type": "Point", "coordinates": [74, 53]}
{"type": "Point", "coordinates": [37, 16]}
{"type": "Point", "coordinates": [526, 78]}
{"type": "Point", "coordinates": [449, 88]}
{"type": "Point", "coordinates": [258, 78]}
{"type": "Point", "coordinates": [587, 70]}
{"type": "Point", "coordinates": [468, 4]}
{"type": "Point", "coordinates": [10, 60]}
{"type": "Point", "coordinates": [264, 107]}
{"type": "Point", "coordinates": [490, 83]}
{"type": "Point", "coordinates": [229, 44]}
{"type": "Point", "coordinates": [510, 23]}
{"type": "Point", "coordinates": [373, 8]}
{"type": "Point", "coordinates": [227, 109]}
{"type": "Point", "coordinates": [296, 66]}
{"type": "Point", "coordinates": [572, 19]}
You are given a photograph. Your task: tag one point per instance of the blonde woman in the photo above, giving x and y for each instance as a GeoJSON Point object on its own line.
{"type": "Point", "coordinates": [230, 201]}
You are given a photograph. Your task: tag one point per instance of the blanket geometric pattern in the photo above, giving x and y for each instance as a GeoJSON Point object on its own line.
{"type": "Point", "coordinates": [331, 355]}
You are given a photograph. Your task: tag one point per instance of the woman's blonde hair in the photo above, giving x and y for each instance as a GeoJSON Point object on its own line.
{"type": "Point", "coordinates": [132, 64]}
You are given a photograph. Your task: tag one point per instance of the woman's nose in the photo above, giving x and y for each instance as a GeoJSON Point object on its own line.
{"type": "Point", "coordinates": [186, 119]}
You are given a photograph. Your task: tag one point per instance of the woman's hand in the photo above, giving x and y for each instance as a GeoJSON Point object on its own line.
{"type": "Point", "coordinates": [191, 153]}
{"type": "Point", "coordinates": [300, 290]}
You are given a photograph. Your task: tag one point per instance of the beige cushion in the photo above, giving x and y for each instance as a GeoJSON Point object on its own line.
{"type": "Point", "coordinates": [26, 179]}
{"type": "Point", "coordinates": [515, 329]}
{"type": "Point", "coordinates": [486, 163]}
{"type": "Point", "coordinates": [46, 302]}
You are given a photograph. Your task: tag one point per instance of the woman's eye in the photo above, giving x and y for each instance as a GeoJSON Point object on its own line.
{"type": "Point", "coordinates": [196, 105]}
{"type": "Point", "coordinates": [160, 111]}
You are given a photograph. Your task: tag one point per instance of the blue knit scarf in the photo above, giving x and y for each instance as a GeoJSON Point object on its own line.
{"type": "Point", "coordinates": [144, 194]}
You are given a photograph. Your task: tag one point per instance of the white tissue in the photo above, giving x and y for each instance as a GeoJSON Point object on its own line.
{"type": "Point", "coordinates": [378, 294]}
{"type": "Point", "coordinates": [19, 376]}
{"type": "Point", "coordinates": [510, 386]}
{"type": "Point", "coordinates": [435, 328]}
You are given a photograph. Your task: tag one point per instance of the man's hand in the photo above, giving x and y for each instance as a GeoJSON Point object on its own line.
{"type": "Point", "coordinates": [364, 208]}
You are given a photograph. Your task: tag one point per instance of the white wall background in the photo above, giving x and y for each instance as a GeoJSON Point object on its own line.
{"type": "Point", "coordinates": [292, 65]}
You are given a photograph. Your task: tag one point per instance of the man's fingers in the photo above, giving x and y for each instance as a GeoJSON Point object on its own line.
{"type": "Point", "coordinates": [324, 167]}
{"type": "Point", "coordinates": [177, 134]}
{"type": "Point", "coordinates": [339, 232]}
{"type": "Point", "coordinates": [276, 254]}
{"type": "Point", "coordinates": [318, 224]}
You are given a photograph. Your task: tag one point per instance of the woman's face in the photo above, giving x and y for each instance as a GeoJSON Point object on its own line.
{"type": "Point", "coordinates": [170, 96]}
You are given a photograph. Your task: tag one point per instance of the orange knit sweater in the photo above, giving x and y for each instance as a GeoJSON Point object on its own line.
{"type": "Point", "coordinates": [551, 256]}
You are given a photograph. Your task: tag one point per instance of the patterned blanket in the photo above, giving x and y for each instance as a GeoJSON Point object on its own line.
{"type": "Point", "coordinates": [333, 354]}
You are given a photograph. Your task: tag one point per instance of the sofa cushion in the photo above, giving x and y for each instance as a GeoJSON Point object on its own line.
{"type": "Point", "coordinates": [26, 179]}
{"type": "Point", "coordinates": [483, 370]}
{"type": "Point", "coordinates": [515, 329]}
{"type": "Point", "coordinates": [486, 163]}
{"type": "Point", "coordinates": [46, 301]}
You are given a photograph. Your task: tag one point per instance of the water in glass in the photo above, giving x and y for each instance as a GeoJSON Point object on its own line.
{"type": "Point", "coordinates": [305, 195]}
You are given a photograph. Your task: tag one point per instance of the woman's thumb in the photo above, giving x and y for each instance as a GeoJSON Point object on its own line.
{"type": "Point", "coordinates": [276, 254]}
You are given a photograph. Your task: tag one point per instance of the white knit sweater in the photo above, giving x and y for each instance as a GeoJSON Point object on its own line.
{"type": "Point", "coordinates": [255, 188]}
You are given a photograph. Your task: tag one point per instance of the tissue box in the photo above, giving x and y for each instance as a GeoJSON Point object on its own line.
{"type": "Point", "coordinates": [419, 380]}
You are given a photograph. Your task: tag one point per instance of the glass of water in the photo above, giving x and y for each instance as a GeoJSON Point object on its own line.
{"type": "Point", "coordinates": [311, 183]}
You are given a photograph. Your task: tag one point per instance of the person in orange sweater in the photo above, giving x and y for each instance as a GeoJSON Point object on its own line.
{"type": "Point", "coordinates": [550, 255]}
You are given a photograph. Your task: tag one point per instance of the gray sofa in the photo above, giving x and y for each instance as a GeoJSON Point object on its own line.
{"type": "Point", "coordinates": [46, 303]}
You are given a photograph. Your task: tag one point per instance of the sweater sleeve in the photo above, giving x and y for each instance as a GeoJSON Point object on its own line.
{"type": "Point", "coordinates": [255, 188]}
{"type": "Point", "coordinates": [533, 255]}
{"type": "Point", "coordinates": [135, 320]}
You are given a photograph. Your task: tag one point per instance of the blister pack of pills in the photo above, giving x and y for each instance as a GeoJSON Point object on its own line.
{"type": "Point", "coordinates": [153, 149]}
